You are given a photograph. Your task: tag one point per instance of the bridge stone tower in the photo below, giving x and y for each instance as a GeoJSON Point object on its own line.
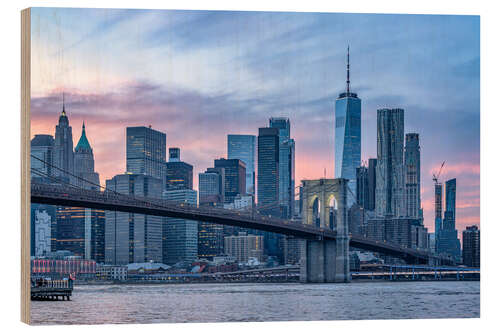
{"type": "Point", "coordinates": [325, 260]}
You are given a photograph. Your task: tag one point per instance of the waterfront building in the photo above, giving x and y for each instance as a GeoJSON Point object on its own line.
{"type": "Point", "coordinates": [111, 272]}
{"type": "Point", "coordinates": [211, 192]}
{"type": "Point", "coordinates": [42, 221]}
{"type": "Point", "coordinates": [63, 148]}
{"type": "Point", "coordinates": [146, 152]}
{"type": "Point", "coordinates": [471, 254]}
{"type": "Point", "coordinates": [131, 237]}
{"type": "Point", "coordinates": [412, 176]}
{"type": "Point", "coordinates": [244, 246]}
{"type": "Point", "coordinates": [390, 187]}
{"type": "Point", "coordinates": [42, 148]}
{"type": "Point", "coordinates": [234, 177]}
{"type": "Point", "coordinates": [448, 242]}
{"type": "Point", "coordinates": [242, 147]}
{"type": "Point", "coordinates": [348, 136]}
{"type": "Point", "coordinates": [179, 174]}
{"type": "Point", "coordinates": [43, 217]}
{"type": "Point", "coordinates": [286, 166]}
{"type": "Point", "coordinates": [56, 267]}
{"type": "Point", "coordinates": [180, 237]}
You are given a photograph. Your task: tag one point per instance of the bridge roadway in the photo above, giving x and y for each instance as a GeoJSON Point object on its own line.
{"type": "Point", "coordinates": [107, 200]}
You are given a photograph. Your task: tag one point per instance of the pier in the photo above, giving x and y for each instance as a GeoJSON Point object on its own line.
{"type": "Point", "coordinates": [51, 290]}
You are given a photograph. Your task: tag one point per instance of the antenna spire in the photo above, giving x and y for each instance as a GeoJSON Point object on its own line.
{"type": "Point", "coordinates": [348, 80]}
{"type": "Point", "coordinates": [63, 111]}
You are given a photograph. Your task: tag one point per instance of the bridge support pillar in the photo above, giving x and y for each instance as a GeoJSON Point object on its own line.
{"type": "Point", "coordinates": [322, 262]}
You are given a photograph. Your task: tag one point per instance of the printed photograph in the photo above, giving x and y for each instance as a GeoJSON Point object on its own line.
{"type": "Point", "coordinates": [235, 166]}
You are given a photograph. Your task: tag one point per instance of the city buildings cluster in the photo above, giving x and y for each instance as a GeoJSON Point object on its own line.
{"type": "Point", "coordinates": [257, 173]}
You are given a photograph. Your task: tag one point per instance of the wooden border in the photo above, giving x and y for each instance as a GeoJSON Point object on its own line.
{"type": "Point", "coordinates": [25, 163]}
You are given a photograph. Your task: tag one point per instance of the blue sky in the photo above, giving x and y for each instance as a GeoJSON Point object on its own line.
{"type": "Point", "coordinates": [200, 75]}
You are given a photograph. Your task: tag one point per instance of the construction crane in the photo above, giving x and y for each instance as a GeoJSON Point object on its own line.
{"type": "Point", "coordinates": [434, 177]}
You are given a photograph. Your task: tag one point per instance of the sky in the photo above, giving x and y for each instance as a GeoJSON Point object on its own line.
{"type": "Point", "coordinates": [200, 75]}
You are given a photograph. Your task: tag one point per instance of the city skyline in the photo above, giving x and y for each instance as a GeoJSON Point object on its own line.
{"type": "Point", "coordinates": [309, 111]}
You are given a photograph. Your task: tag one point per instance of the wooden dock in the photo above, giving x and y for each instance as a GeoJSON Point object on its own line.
{"type": "Point", "coordinates": [51, 290]}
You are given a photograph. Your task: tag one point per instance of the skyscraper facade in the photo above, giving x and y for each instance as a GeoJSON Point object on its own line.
{"type": "Point", "coordinates": [362, 186]}
{"type": "Point", "coordinates": [84, 164]}
{"type": "Point", "coordinates": [348, 136]}
{"type": "Point", "coordinates": [390, 188]}
{"type": "Point", "coordinates": [63, 148]}
{"type": "Point", "coordinates": [412, 176]}
{"type": "Point", "coordinates": [242, 147]}
{"type": "Point", "coordinates": [471, 254]}
{"type": "Point", "coordinates": [179, 174]}
{"type": "Point", "coordinates": [180, 236]}
{"type": "Point", "coordinates": [268, 170]}
{"type": "Point", "coordinates": [438, 212]}
{"type": "Point", "coordinates": [234, 177]}
{"type": "Point", "coordinates": [146, 152]}
{"type": "Point", "coordinates": [42, 149]}
{"type": "Point", "coordinates": [372, 184]}
{"type": "Point", "coordinates": [448, 242]}
{"type": "Point", "coordinates": [211, 192]}
{"type": "Point", "coordinates": [131, 237]}
{"type": "Point", "coordinates": [286, 165]}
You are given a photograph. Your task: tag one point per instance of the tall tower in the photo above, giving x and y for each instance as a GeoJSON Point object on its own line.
{"type": "Point", "coordinates": [242, 147]}
{"type": "Point", "coordinates": [286, 166]}
{"type": "Point", "coordinates": [348, 136]}
{"type": "Point", "coordinates": [63, 147]}
{"type": "Point", "coordinates": [84, 164]}
{"type": "Point", "coordinates": [412, 176]}
{"type": "Point", "coordinates": [390, 189]}
{"type": "Point", "coordinates": [146, 152]}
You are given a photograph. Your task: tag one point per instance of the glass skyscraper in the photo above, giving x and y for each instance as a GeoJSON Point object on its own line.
{"type": "Point", "coordinates": [180, 236]}
{"type": "Point", "coordinates": [131, 237]}
{"type": "Point", "coordinates": [390, 188]}
{"type": "Point", "coordinates": [234, 177]}
{"type": "Point", "coordinates": [348, 137]}
{"type": "Point", "coordinates": [268, 171]}
{"type": "Point", "coordinates": [146, 152]}
{"type": "Point", "coordinates": [286, 166]}
{"type": "Point", "coordinates": [412, 176]}
{"type": "Point", "coordinates": [242, 147]}
{"type": "Point", "coordinates": [63, 148]}
{"type": "Point", "coordinates": [178, 174]}
{"type": "Point", "coordinates": [448, 242]}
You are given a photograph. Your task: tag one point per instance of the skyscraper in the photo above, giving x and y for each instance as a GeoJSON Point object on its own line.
{"type": "Point", "coordinates": [412, 177]}
{"type": "Point", "coordinates": [268, 152]}
{"type": "Point", "coordinates": [390, 189]}
{"type": "Point", "coordinates": [471, 254]}
{"type": "Point", "coordinates": [93, 219]}
{"type": "Point", "coordinates": [362, 186]}
{"type": "Point", "coordinates": [348, 136]}
{"type": "Point", "coordinates": [42, 148]}
{"type": "Point", "coordinates": [242, 147]}
{"type": "Point", "coordinates": [179, 174]}
{"type": "Point", "coordinates": [438, 212]}
{"type": "Point", "coordinates": [286, 165]}
{"type": "Point", "coordinates": [372, 184]}
{"type": "Point", "coordinates": [234, 177]}
{"type": "Point", "coordinates": [448, 242]}
{"type": "Point", "coordinates": [146, 152]}
{"type": "Point", "coordinates": [180, 236]}
{"type": "Point", "coordinates": [268, 171]}
{"type": "Point", "coordinates": [84, 164]}
{"type": "Point", "coordinates": [131, 237]}
{"type": "Point", "coordinates": [63, 148]}
{"type": "Point", "coordinates": [211, 191]}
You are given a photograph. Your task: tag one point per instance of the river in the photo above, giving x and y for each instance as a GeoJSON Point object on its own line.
{"type": "Point", "coordinates": [104, 304]}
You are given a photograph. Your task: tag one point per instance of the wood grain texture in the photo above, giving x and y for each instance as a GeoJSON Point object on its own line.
{"type": "Point", "coordinates": [25, 163]}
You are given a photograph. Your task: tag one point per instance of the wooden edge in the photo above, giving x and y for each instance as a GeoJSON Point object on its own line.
{"type": "Point", "coordinates": [25, 163]}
